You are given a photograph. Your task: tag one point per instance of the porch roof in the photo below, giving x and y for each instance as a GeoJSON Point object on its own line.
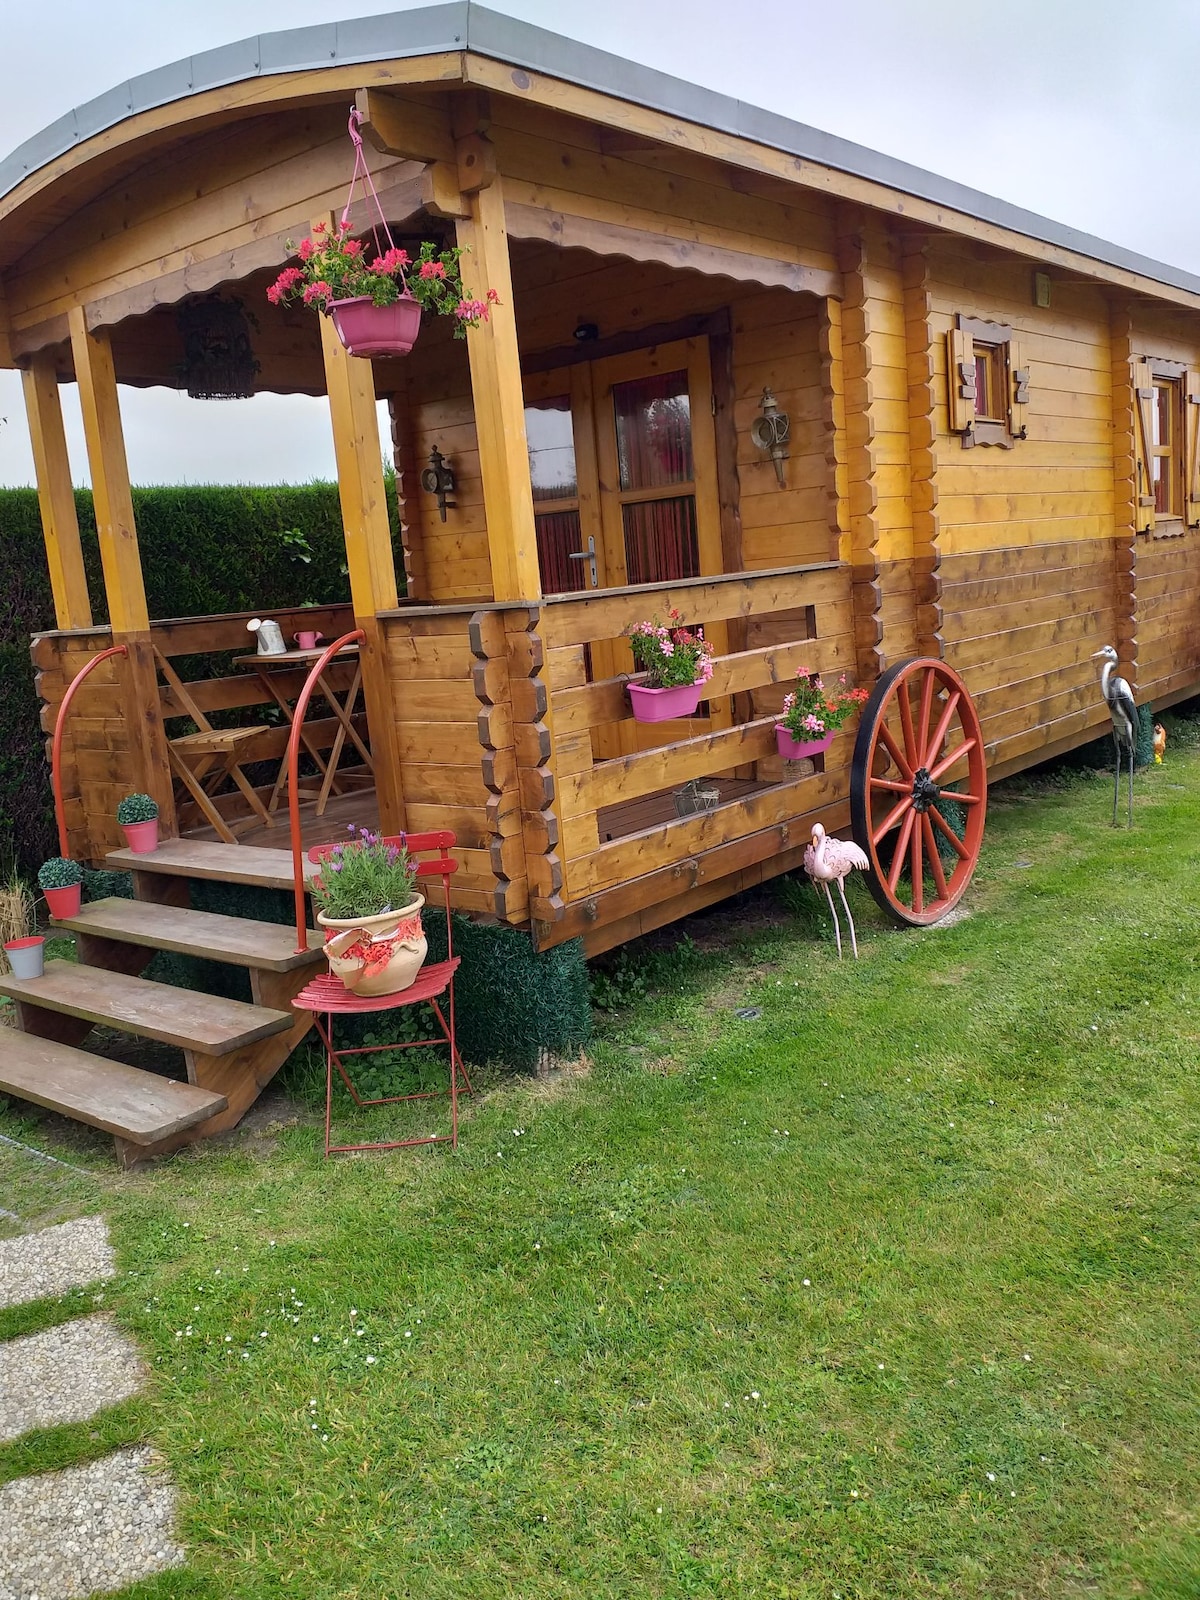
{"type": "Point", "coordinates": [465, 27]}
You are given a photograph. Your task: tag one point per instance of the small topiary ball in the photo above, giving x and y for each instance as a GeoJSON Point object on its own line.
{"type": "Point", "coordinates": [59, 873]}
{"type": "Point", "coordinates": [136, 808]}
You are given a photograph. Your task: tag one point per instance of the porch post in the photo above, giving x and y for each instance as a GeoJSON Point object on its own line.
{"type": "Point", "coordinates": [496, 390]}
{"type": "Point", "coordinates": [351, 387]}
{"type": "Point", "coordinates": [56, 495]}
{"type": "Point", "coordinates": [129, 618]}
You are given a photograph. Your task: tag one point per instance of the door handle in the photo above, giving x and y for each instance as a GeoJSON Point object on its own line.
{"type": "Point", "coordinates": [588, 555]}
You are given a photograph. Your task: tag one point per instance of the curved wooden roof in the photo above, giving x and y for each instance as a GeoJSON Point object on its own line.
{"type": "Point", "coordinates": [463, 42]}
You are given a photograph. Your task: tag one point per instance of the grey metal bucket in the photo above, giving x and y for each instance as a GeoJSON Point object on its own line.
{"type": "Point", "coordinates": [26, 957]}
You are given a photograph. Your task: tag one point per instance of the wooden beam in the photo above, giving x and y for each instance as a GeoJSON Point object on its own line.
{"type": "Point", "coordinates": [369, 555]}
{"type": "Point", "coordinates": [496, 388]}
{"type": "Point", "coordinates": [411, 129]}
{"type": "Point", "coordinates": [56, 495]}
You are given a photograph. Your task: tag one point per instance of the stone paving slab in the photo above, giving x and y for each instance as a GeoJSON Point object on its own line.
{"type": "Point", "coordinates": [87, 1530]}
{"type": "Point", "coordinates": [54, 1261]}
{"type": "Point", "coordinates": [65, 1374]}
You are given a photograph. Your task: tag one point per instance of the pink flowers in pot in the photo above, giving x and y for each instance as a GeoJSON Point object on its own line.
{"type": "Point", "coordinates": [813, 712]}
{"type": "Point", "coordinates": [670, 654]}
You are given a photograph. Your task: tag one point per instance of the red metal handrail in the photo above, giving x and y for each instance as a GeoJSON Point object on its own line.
{"type": "Point", "coordinates": [60, 814]}
{"type": "Point", "coordinates": [293, 768]}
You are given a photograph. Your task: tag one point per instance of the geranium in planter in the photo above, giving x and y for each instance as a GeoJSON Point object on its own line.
{"type": "Point", "coordinates": [61, 881]}
{"type": "Point", "coordinates": [367, 902]}
{"type": "Point", "coordinates": [812, 715]}
{"type": "Point", "coordinates": [677, 661]}
{"type": "Point", "coordinates": [375, 298]}
{"type": "Point", "coordinates": [137, 815]}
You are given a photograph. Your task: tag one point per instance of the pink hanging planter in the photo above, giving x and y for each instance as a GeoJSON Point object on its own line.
{"type": "Point", "coordinates": [799, 749]}
{"type": "Point", "coordinates": [376, 331]}
{"type": "Point", "coordinates": [660, 705]}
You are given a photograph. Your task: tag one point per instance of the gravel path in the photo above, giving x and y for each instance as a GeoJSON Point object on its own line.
{"type": "Point", "coordinates": [54, 1261]}
{"type": "Point", "coordinates": [65, 1374]}
{"type": "Point", "coordinates": [87, 1530]}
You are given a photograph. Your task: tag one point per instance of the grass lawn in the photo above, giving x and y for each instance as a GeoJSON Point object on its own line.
{"type": "Point", "coordinates": [888, 1291]}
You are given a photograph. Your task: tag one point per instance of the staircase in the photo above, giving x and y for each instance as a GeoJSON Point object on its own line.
{"type": "Point", "coordinates": [231, 1048]}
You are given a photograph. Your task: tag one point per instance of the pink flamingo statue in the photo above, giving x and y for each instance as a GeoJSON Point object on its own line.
{"type": "Point", "coordinates": [827, 860]}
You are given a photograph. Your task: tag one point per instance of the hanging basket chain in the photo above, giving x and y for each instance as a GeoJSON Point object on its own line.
{"type": "Point", "coordinates": [363, 173]}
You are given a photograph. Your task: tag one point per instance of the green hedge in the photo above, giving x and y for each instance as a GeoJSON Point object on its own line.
{"type": "Point", "coordinates": [205, 550]}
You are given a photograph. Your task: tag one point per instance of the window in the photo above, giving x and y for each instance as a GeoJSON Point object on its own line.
{"type": "Point", "coordinates": [550, 433]}
{"type": "Point", "coordinates": [1164, 457]}
{"type": "Point", "coordinates": [1166, 416]}
{"type": "Point", "coordinates": [988, 386]}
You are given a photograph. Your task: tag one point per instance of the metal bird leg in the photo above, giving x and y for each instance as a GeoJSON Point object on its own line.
{"type": "Point", "coordinates": [837, 931]}
{"type": "Point", "coordinates": [1116, 780]}
{"type": "Point", "coordinates": [1131, 756]}
{"type": "Point", "coordinates": [849, 918]}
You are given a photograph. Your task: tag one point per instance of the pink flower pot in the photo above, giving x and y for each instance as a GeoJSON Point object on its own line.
{"type": "Point", "coordinates": [799, 749]}
{"type": "Point", "coordinates": [370, 330]}
{"type": "Point", "coordinates": [27, 957]}
{"type": "Point", "coordinates": [141, 837]}
{"type": "Point", "coordinates": [660, 705]}
{"type": "Point", "coordinates": [307, 639]}
{"type": "Point", "coordinates": [64, 902]}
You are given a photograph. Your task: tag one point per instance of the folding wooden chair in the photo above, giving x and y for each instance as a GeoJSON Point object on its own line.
{"type": "Point", "coordinates": [204, 760]}
{"type": "Point", "coordinates": [327, 996]}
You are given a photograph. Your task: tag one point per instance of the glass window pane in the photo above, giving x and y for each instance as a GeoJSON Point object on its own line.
{"type": "Point", "coordinates": [1162, 414]}
{"type": "Point", "coordinates": [983, 388]}
{"type": "Point", "coordinates": [660, 540]}
{"type": "Point", "coordinates": [551, 443]}
{"type": "Point", "coordinates": [654, 431]}
{"type": "Point", "coordinates": [558, 534]}
{"type": "Point", "coordinates": [1161, 484]}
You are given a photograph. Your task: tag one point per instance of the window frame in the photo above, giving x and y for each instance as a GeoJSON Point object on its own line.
{"type": "Point", "coordinates": [973, 340]}
{"type": "Point", "coordinates": [1149, 375]}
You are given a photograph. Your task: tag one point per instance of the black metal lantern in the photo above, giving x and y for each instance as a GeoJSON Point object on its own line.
{"type": "Point", "coordinates": [218, 359]}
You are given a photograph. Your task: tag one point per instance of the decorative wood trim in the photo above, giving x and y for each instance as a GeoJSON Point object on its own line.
{"type": "Point", "coordinates": [537, 781]}
{"type": "Point", "coordinates": [1128, 513]}
{"type": "Point", "coordinates": [490, 677]}
{"type": "Point", "coordinates": [866, 595]}
{"type": "Point", "coordinates": [919, 341]}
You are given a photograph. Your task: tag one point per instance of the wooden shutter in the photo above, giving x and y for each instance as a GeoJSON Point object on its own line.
{"type": "Point", "coordinates": [1018, 378]}
{"type": "Point", "coordinates": [1191, 439]}
{"type": "Point", "coordinates": [1143, 440]}
{"type": "Point", "coordinates": [960, 380]}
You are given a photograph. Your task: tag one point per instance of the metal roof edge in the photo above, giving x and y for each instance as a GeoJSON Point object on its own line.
{"type": "Point", "coordinates": [464, 25]}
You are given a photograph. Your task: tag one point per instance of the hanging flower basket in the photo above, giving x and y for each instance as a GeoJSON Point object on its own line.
{"type": "Point", "coordinates": [677, 663]}
{"type": "Point", "coordinates": [375, 297]}
{"type": "Point", "coordinates": [370, 330]}
{"type": "Point", "coordinates": [799, 749]}
{"type": "Point", "coordinates": [812, 715]}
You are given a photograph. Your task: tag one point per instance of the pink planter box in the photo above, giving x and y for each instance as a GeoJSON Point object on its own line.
{"type": "Point", "coordinates": [799, 749]}
{"type": "Point", "coordinates": [660, 705]}
{"type": "Point", "coordinates": [370, 330]}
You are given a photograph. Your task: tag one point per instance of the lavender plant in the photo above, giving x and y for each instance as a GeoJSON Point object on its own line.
{"type": "Point", "coordinates": [364, 877]}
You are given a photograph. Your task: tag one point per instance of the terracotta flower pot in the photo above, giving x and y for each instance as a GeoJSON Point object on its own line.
{"type": "Point", "coordinates": [27, 957]}
{"type": "Point", "coordinates": [798, 749]}
{"type": "Point", "coordinates": [64, 902]}
{"type": "Point", "coordinates": [376, 955]}
{"type": "Point", "coordinates": [141, 837]}
{"type": "Point", "coordinates": [660, 705]}
{"type": "Point", "coordinates": [370, 330]}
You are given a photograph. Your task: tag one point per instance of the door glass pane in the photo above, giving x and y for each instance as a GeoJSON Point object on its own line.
{"type": "Point", "coordinates": [551, 449]}
{"type": "Point", "coordinates": [654, 432]}
{"type": "Point", "coordinates": [1162, 414]}
{"type": "Point", "coordinates": [558, 535]}
{"type": "Point", "coordinates": [660, 540]}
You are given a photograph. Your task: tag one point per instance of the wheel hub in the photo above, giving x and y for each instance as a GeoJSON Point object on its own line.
{"type": "Point", "coordinates": [925, 792]}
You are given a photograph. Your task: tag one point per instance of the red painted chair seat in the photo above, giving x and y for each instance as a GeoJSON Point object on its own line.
{"type": "Point", "coordinates": [328, 993]}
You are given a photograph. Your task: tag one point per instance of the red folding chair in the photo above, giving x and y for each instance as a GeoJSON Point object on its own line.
{"type": "Point", "coordinates": [327, 997]}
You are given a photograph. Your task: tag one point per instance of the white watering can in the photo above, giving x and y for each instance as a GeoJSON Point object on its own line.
{"type": "Point", "coordinates": [270, 636]}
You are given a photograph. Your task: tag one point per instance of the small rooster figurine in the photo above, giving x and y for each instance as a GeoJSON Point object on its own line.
{"type": "Point", "coordinates": [1160, 743]}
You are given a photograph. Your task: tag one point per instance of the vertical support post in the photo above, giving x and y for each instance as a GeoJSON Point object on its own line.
{"type": "Point", "coordinates": [1125, 487]}
{"type": "Point", "coordinates": [56, 494]}
{"type": "Point", "coordinates": [496, 383]}
{"type": "Point", "coordinates": [866, 593]}
{"type": "Point", "coordinates": [351, 387]}
{"type": "Point", "coordinates": [124, 586]}
{"type": "Point", "coordinates": [922, 437]}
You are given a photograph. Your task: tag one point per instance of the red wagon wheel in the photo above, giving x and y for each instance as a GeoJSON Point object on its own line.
{"type": "Point", "coordinates": [918, 790]}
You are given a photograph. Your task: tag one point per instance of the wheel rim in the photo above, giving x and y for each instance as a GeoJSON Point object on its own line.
{"type": "Point", "coordinates": [919, 769]}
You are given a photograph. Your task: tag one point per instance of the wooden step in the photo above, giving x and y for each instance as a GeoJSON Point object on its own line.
{"type": "Point", "coordinates": [180, 1017]}
{"type": "Point", "coordinates": [227, 863]}
{"type": "Point", "coordinates": [269, 946]}
{"type": "Point", "coordinates": [125, 1101]}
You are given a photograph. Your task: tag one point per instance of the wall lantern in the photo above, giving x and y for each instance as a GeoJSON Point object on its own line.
{"type": "Point", "coordinates": [438, 479]}
{"type": "Point", "coordinates": [770, 431]}
{"type": "Point", "coordinates": [218, 360]}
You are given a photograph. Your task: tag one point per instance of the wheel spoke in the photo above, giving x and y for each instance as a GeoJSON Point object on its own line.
{"type": "Point", "coordinates": [893, 785]}
{"type": "Point", "coordinates": [926, 706]}
{"type": "Point", "coordinates": [897, 867]}
{"type": "Point", "coordinates": [893, 749]}
{"type": "Point", "coordinates": [963, 799]}
{"type": "Point", "coordinates": [918, 872]}
{"type": "Point", "coordinates": [955, 756]}
{"type": "Point", "coordinates": [935, 859]}
{"type": "Point", "coordinates": [904, 706]}
{"type": "Point", "coordinates": [939, 821]}
{"type": "Point", "coordinates": [943, 727]}
{"type": "Point", "coordinates": [892, 818]}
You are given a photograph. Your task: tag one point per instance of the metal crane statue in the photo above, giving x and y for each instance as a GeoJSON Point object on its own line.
{"type": "Point", "coordinates": [1122, 708]}
{"type": "Point", "coordinates": [827, 861]}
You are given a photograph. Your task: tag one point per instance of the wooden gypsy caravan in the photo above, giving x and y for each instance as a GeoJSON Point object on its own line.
{"type": "Point", "coordinates": [839, 411]}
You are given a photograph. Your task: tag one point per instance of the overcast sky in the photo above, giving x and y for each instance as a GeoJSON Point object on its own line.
{"type": "Point", "coordinates": [1084, 110]}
